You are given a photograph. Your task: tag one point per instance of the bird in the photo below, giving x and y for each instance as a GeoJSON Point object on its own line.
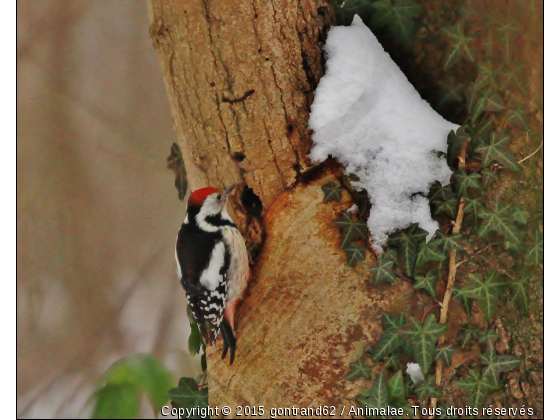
{"type": "Point", "coordinates": [212, 265]}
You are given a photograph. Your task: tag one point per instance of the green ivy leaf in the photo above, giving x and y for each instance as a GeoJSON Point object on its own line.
{"type": "Point", "coordinates": [488, 177]}
{"type": "Point", "coordinates": [478, 387]}
{"type": "Point", "coordinates": [449, 242]}
{"type": "Point", "coordinates": [466, 334]}
{"type": "Point", "coordinates": [518, 116]}
{"type": "Point", "coordinates": [444, 354]}
{"type": "Point", "coordinates": [396, 392]}
{"type": "Point", "coordinates": [497, 364]}
{"type": "Point", "coordinates": [177, 165]}
{"type": "Point", "coordinates": [474, 206]}
{"type": "Point", "coordinates": [423, 338]}
{"type": "Point", "coordinates": [407, 243]}
{"type": "Point", "coordinates": [384, 270]}
{"type": "Point", "coordinates": [459, 45]}
{"type": "Point", "coordinates": [520, 292]}
{"type": "Point", "coordinates": [496, 150]}
{"type": "Point", "coordinates": [358, 369]}
{"type": "Point", "coordinates": [535, 255]}
{"type": "Point", "coordinates": [500, 220]}
{"type": "Point", "coordinates": [354, 253]}
{"type": "Point", "coordinates": [488, 338]}
{"type": "Point", "coordinates": [187, 394]}
{"type": "Point", "coordinates": [427, 282]}
{"type": "Point", "coordinates": [332, 192]}
{"type": "Point", "coordinates": [391, 338]}
{"type": "Point", "coordinates": [443, 193]}
{"type": "Point", "coordinates": [466, 181]}
{"type": "Point", "coordinates": [398, 17]}
{"type": "Point", "coordinates": [429, 252]}
{"type": "Point", "coordinates": [487, 291]}
{"type": "Point", "coordinates": [376, 396]}
{"type": "Point", "coordinates": [428, 389]}
{"type": "Point", "coordinates": [351, 230]}
{"type": "Point", "coordinates": [446, 207]}
{"type": "Point", "coordinates": [520, 216]}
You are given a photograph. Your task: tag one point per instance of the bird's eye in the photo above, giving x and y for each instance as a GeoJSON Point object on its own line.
{"type": "Point", "coordinates": [219, 196]}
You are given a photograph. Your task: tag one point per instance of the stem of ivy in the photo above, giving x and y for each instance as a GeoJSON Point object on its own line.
{"type": "Point", "coordinates": [452, 269]}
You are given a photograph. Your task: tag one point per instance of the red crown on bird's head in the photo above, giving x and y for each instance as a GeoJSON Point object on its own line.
{"type": "Point", "coordinates": [197, 197]}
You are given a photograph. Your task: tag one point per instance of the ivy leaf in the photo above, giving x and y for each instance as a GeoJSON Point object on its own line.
{"type": "Point", "coordinates": [351, 229]}
{"type": "Point", "coordinates": [451, 91]}
{"type": "Point", "coordinates": [354, 253]}
{"type": "Point", "coordinates": [500, 220]}
{"type": "Point", "coordinates": [518, 116]}
{"type": "Point", "coordinates": [429, 252]}
{"type": "Point", "coordinates": [391, 338]}
{"type": "Point", "coordinates": [444, 354]}
{"type": "Point", "coordinates": [187, 394]}
{"type": "Point", "coordinates": [496, 150]}
{"type": "Point", "coordinates": [376, 396]}
{"type": "Point", "coordinates": [449, 242]}
{"type": "Point", "coordinates": [497, 364]}
{"type": "Point", "coordinates": [474, 206]}
{"type": "Point", "coordinates": [407, 243]}
{"type": "Point", "coordinates": [443, 193]}
{"type": "Point", "coordinates": [177, 165]}
{"type": "Point", "coordinates": [488, 338]}
{"type": "Point", "coordinates": [393, 321]}
{"type": "Point", "coordinates": [459, 45]}
{"type": "Point", "coordinates": [535, 255]}
{"type": "Point", "coordinates": [332, 191]}
{"type": "Point", "coordinates": [454, 142]}
{"type": "Point", "coordinates": [358, 369]}
{"type": "Point", "coordinates": [391, 361]}
{"type": "Point", "coordinates": [448, 207]}
{"type": "Point", "coordinates": [398, 17]}
{"type": "Point", "coordinates": [466, 181]}
{"type": "Point", "coordinates": [396, 392]}
{"type": "Point", "coordinates": [423, 338]}
{"type": "Point", "coordinates": [427, 282]}
{"type": "Point", "coordinates": [520, 216]}
{"type": "Point", "coordinates": [466, 334]}
{"type": "Point", "coordinates": [520, 292]}
{"type": "Point", "coordinates": [384, 270]}
{"type": "Point", "coordinates": [488, 177]}
{"type": "Point", "coordinates": [478, 387]}
{"type": "Point", "coordinates": [486, 291]}
{"type": "Point", "coordinates": [428, 389]}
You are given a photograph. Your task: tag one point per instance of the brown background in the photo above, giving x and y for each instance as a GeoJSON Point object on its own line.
{"type": "Point", "coordinates": [97, 212]}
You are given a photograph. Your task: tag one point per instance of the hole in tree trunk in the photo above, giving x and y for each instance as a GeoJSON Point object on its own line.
{"type": "Point", "coordinates": [251, 202]}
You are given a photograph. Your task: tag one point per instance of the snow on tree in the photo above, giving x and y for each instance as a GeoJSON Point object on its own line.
{"type": "Point", "coordinates": [367, 115]}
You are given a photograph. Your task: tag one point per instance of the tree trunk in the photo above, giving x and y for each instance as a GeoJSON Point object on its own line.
{"type": "Point", "coordinates": [240, 78]}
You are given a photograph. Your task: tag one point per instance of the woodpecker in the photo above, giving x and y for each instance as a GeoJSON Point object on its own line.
{"type": "Point", "coordinates": [213, 265]}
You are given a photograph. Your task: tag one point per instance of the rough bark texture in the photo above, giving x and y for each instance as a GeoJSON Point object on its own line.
{"type": "Point", "coordinates": [240, 78]}
{"type": "Point", "coordinates": [303, 321]}
{"type": "Point", "coordinates": [239, 75]}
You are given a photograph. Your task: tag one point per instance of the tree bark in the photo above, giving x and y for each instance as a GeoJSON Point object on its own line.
{"type": "Point", "coordinates": [240, 77]}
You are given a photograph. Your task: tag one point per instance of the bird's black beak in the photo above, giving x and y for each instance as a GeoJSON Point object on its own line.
{"type": "Point", "coordinates": [229, 189]}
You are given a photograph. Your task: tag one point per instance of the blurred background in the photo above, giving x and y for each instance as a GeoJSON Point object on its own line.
{"type": "Point", "coordinates": [97, 211]}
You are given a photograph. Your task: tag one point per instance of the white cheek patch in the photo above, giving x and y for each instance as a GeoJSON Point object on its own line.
{"type": "Point", "coordinates": [211, 277]}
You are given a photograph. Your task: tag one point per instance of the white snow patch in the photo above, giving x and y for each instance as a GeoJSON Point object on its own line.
{"type": "Point", "coordinates": [368, 116]}
{"type": "Point", "coordinates": [415, 373]}
{"type": "Point", "coordinates": [353, 209]}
